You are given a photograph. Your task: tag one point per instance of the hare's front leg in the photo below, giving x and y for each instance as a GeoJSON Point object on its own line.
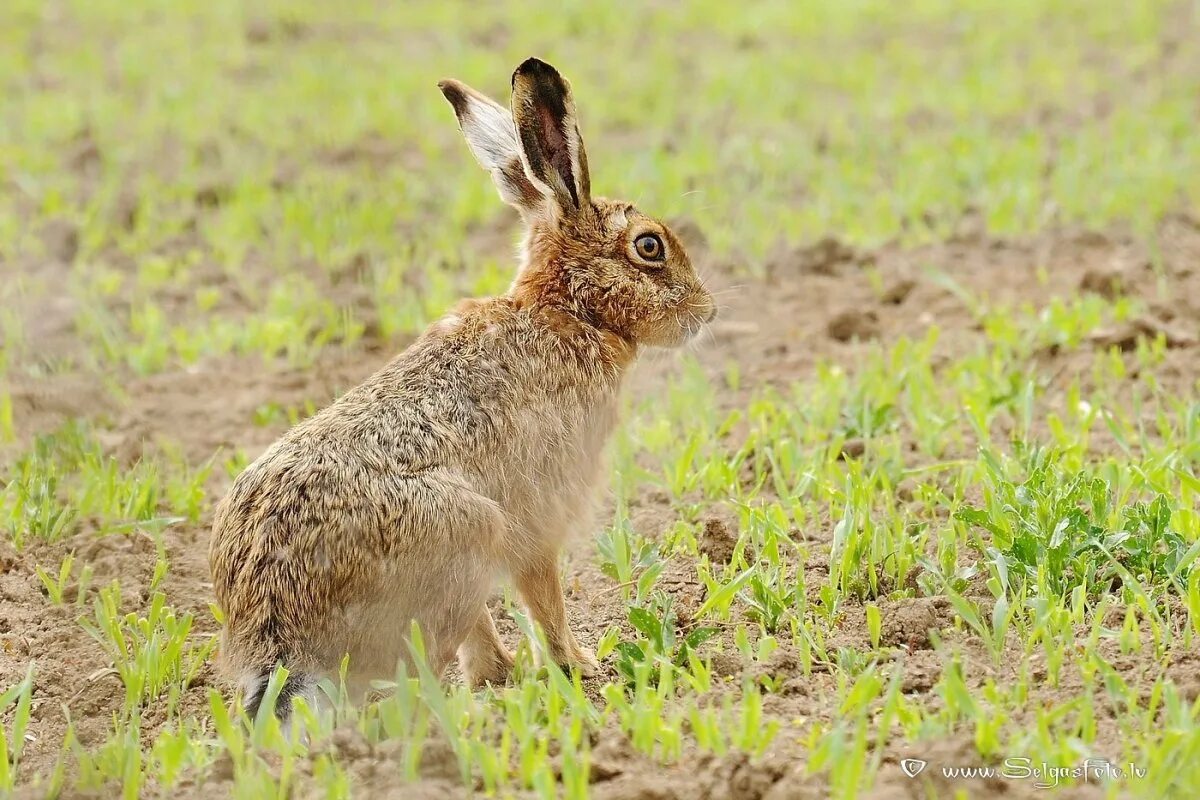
{"type": "Point", "coordinates": [482, 656]}
{"type": "Point", "coordinates": [539, 584]}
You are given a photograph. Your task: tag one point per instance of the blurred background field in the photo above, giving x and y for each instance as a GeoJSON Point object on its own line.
{"type": "Point", "coordinates": [958, 246]}
{"type": "Point", "coordinates": [220, 146]}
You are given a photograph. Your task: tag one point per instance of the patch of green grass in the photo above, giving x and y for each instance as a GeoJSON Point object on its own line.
{"type": "Point", "coordinates": [65, 477]}
{"type": "Point", "coordinates": [151, 653]}
{"type": "Point", "coordinates": [1054, 530]}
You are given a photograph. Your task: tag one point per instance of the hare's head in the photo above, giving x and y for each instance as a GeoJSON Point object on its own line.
{"type": "Point", "coordinates": [602, 261]}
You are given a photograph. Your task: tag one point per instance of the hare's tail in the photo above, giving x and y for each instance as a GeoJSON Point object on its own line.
{"type": "Point", "coordinates": [255, 689]}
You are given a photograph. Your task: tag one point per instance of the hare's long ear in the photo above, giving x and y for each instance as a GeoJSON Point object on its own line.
{"type": "Point", "coordinates": [552, 151]}
{"type": "Point", "coordinates": [488, 128]}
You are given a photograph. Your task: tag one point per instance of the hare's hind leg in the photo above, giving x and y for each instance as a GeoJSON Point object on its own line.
{"type": "Point", "coordinates": [539, 583]}
{"type": "Point", "coordinates": [482, 656]}
{"type": "Point", "coordinates": [445, 571]}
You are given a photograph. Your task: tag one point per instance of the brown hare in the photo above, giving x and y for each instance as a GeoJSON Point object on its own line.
{"type": "Point", "coordinates": [470, 456]}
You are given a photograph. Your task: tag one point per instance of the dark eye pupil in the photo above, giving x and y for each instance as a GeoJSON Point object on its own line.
{"type": "Point", "coordinates": [648, 246]}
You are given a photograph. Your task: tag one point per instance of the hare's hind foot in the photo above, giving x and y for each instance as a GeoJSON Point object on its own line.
{"type": "Point", "coordinates": [583, 660]}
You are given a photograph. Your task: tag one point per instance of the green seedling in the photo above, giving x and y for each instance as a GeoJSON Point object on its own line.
{"type": "Point", "coordinates": [19, 697]}
{"type": "Point", "coordinates": [659, 643]}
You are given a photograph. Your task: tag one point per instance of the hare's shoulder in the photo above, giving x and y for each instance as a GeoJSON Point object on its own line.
{"type": "Point", "coordinates": [481, 352]}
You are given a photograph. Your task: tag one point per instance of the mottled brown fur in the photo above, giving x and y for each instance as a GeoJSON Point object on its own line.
{"type": "Point", "coordinates": [474, 452]}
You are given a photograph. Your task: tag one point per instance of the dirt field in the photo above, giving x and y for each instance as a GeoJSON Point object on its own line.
{"type": "Point", "coordinates": [891, 362]}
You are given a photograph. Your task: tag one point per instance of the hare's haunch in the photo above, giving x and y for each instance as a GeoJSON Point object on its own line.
{"type": "Point", "coordinates": [474, 452]}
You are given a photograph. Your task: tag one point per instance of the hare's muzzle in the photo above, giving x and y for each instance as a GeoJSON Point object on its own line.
{"type": "Point", "coordinates": [704, 305]}
{"type": "Point", "coordinates": [700, 310]}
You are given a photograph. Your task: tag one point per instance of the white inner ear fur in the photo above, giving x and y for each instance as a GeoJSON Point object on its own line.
{"type": "Point", "coordinates": [490, 132]}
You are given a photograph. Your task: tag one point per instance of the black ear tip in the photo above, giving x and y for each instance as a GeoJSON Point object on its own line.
{"type": "Point", "coordinates": [453, 91]}
{"type": "Point", "coordinates": [535, 68]}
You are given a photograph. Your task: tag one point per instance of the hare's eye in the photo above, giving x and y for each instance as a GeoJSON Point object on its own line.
{"type": "Point", "coordinates": [649, 247]}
